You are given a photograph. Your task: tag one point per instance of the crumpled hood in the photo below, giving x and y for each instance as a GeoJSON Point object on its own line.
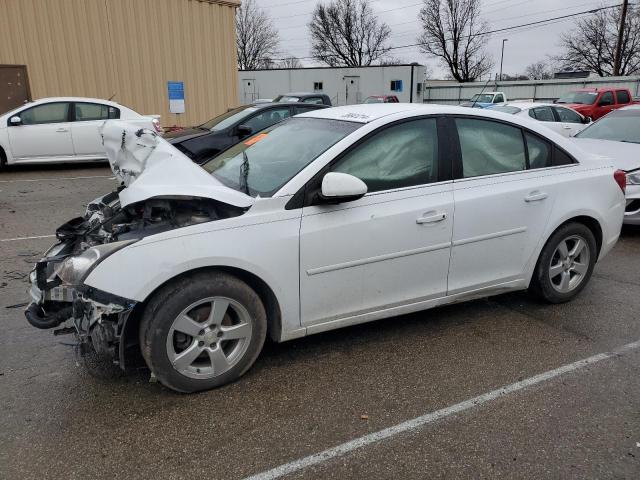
{"type": "Point", "coordinates": [625, 156]}
{"type": "Point", "coordinates": [148, 166]}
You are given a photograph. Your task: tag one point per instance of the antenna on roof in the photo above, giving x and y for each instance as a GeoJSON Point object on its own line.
{"type": "Point", "coordinates": [473, 105]}
{"type": "Point", "coordinates": [112, 96]}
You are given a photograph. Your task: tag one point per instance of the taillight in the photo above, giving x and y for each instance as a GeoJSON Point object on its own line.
{"type": "Point", "coordinates": [157, 126]}
{"type": "Point", "coordinates": [621, 179]}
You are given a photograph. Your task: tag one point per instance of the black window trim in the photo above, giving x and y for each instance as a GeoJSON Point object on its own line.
{"type": "Point", "coordinates": [305, 196]}
{"type": "Point", "coordinates": [457, 157]}
{"type": "Point", "coordinates": [29, 107]}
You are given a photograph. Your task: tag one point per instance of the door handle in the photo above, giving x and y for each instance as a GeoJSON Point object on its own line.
{"type": "Point", "coordinates": [535, 197]}
{"type": "Point", "coordinates": [62, 130]}
{"type": "Point", "coordinates": [566, 127]}
{"type": "Point", "coordinates": [438, 217]}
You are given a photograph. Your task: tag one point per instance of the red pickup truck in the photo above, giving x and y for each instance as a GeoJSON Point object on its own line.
{"type": "Point", "coordinates": [596, 102]}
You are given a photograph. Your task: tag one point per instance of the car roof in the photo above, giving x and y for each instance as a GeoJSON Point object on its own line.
{"type": "Point", "coordinates": [301, 94]}
{"type": "Point", "coordinates": [279, 104]}
{"type": "Point", "coordinates": [526, 105]}
{"type": "Point", "coordinates": [368, 112]}
{"type": "Point", "coordinates": [74, 99]}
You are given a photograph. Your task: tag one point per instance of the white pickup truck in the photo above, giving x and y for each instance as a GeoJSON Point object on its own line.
{"type": "Point", "coordinates": [62, 129]}
{"type": "Point", "coordinates": [484, 99]}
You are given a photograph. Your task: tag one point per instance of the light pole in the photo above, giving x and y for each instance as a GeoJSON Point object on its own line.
{"type": "Point", "coordinates": [502, 57]}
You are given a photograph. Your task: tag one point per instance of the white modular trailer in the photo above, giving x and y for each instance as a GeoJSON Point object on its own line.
{"type": "Point", "coordinates": [452, 93]}
{"type": "Point", "coordinates": [344, 85]}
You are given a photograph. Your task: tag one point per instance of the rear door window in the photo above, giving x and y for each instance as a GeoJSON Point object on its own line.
{"type": "Point", "coordinates": [544, 114]}
{"type": "Point", "coordinates": [489, 147]}
{"type": "Point", "coordinates": [94, 111]}
{"type": "Point", "coordinates": [622, 96]}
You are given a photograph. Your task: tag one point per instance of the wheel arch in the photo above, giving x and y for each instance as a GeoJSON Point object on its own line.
{"type": "Point", "coordinates": [129, 337]}
{"type": "Point", "coordinates": [590, 222]}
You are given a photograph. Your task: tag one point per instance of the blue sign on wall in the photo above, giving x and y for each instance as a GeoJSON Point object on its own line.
{"type": "Point", "coordinates": [176, 97]}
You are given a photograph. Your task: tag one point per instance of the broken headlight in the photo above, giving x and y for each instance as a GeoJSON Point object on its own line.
{"type": "Point", "coordinates": [74, 270]}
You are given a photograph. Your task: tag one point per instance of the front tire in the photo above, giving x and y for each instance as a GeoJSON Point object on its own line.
{"type": "Point", "coordinates": [202, 331]}
{"type": "Point", "coordinates": [565, 264]}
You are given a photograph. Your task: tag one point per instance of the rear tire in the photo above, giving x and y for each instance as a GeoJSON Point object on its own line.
{"type": "Point", "coordinates": [202, 331]}
{"type": "Point", "coordinates": [565, 264]}
{"type": "Point", "coordinates": [3, 160]}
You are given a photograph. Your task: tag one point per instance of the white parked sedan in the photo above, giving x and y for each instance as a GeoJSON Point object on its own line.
{"type": "Point", "coordinates": [616, 136]}
{"type": "Point", "coordinates": [331, 218]}
{"type": "Point", "coordinates": [62, 129]}
{"type": "Point", "coordinates": [563, 120]}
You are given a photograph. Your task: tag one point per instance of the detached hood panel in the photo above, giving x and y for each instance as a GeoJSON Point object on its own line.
{"type": "Point", "coordinates": [625, 156]}
{"type": "Point", "coordinates": [148, 166]}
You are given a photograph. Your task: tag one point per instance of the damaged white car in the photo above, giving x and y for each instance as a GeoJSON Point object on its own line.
{"type": "Point", "coordinates": [331, 218]}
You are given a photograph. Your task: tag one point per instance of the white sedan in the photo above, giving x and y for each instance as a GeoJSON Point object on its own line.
{"type": "Point", "coordinates": [331, 218]}
{"type": "Point", "coordinates": [62, 129]}
{"type": "Point", "coordinates": [563, 120]}
{"type": "Point", "coordinates": [616, 136]}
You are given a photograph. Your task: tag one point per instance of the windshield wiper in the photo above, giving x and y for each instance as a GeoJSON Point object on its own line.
{"type": "Point", "coordinates": [244, 173]}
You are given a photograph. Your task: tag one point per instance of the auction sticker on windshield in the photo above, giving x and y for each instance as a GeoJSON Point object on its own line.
{"type": "Point", "coordinates": [255, 139]}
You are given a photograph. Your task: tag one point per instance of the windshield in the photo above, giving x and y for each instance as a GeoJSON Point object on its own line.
{"type": "Point", "coordinates": [228, 118]}
{"type": "Point", "coordinates": [373, 100]}
{"type": "Point", "coordinates": [263, 163]}
{"type": "Point", "coordinates": [482, 98]}
{"type": "Point", "coordinates": [505, 109]}
{"type": "Point", "coordinates": [584, 98]}
{"type": "Point", "coordinates": [620, 126]}
{"type": "Point", "coordinates": [286, 98]}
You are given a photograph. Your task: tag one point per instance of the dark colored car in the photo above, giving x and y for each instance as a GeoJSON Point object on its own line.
{"type": "Point", "coordinates": [207, 140]}
{"type": "Point", "coordinates": [302, 97]}
{"type": "Point", "coordinates": [381, 99]}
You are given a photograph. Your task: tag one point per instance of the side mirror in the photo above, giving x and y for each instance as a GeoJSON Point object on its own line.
{"type": "Point", "coordinates": [341, 187]}
{"type": "Point", "coordinates": [244, 130]}
{"type": "Point", "coordinates": [15, 121]}
{"type": "Point", "coordinates": [587, 120]}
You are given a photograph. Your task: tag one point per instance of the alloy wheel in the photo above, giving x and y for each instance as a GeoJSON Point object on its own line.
{"type": "Point", "coordinates": [209, 337]}
{"type": "Point", "coordinates": [569, 264]}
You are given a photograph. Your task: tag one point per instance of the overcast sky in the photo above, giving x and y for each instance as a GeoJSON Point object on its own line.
{"type": "Point", "coordinates": [524, 46]}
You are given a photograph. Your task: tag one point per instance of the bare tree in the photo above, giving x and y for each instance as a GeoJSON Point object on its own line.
{"type": "Point", "coordinates": [453, 31]}
{"type": "Point", "coordinates": [592, 43]}
{"type": "Point", "coordinates": [256, 37]}
{"type": "Point", "coordinates": [290, 62]}
{"type": "Point", "coordinates": [347, 33]}
{"type": "Point", "coordinates": [538, 71]}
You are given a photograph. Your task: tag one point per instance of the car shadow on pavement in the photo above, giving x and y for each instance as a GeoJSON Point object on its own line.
{"type": "Point", "coordinates": [40, 167]}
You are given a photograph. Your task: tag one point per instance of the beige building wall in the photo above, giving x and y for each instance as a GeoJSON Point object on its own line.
{"type": "Point", "coordinates": [127, 49]}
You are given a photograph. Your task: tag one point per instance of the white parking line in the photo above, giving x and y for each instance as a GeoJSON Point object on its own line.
{"type": "Point", "coordinates": [25, 238]}
{"type": "Point", "coordinates": [431, 417]}
{"type": "Point", "coordinates": [54, 178]}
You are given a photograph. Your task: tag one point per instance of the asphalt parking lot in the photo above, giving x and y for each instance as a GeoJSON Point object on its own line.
{"type": "Point", "coordinates": [556, 418]}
